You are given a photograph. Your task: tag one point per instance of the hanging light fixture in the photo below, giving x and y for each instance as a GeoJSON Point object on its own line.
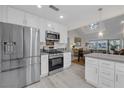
{"type": "Point", "coordinates": [98, 26]}
{"type": "Point", "coordinates": [101, 26]}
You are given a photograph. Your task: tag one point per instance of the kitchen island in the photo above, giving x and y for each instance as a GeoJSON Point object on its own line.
{"type": "Point", "coordinates": [104, 70]}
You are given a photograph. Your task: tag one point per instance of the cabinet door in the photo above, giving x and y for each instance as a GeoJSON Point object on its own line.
{"type": "Point", "coordinates": [67, 59]}
{"type": "Point", "coordinates": [119, 75]}
{"type": "Point", "coordinates": [119, 79]}
{"type": "Point", "coordinates": [15, 16]}
{"type": "Point", "coordinates": [91, 71]}
{"type": "Point", "coordinates": [44, 65]}
{"type": "Point", "coordinates": [51, 26]}
{"type": "Point", "coordinates": [63, 33]}
{"type": "Point", "coordinates": [32, 20]}
{"type": "Point", "coordinates": [42, 30]}
{"type": "Point", "coordinates": [92, 74]}
{"type": "Point", "coordinates": [3, 13]}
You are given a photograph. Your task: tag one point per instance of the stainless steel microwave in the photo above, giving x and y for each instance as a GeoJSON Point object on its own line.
{"type": "Point", "coordinates": [50, 35]}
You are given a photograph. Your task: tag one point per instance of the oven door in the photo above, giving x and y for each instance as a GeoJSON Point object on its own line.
{"type": "Point", "coordinates": [55, 63]}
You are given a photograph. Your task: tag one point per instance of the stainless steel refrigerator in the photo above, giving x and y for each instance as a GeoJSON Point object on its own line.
{"type": "Point", "coordinates": [12, 65]}
{"type": "Point", "coordinates": [32, 54]}
{"type": "Point", "coordinates": [19, 55]}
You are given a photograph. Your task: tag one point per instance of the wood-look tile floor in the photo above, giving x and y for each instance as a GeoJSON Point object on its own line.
{"type": "Point", "coordinates": [73, 77]}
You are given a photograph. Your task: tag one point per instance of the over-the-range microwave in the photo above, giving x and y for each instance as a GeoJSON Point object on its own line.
{"type": "Point", "coordinates": [50, 35]}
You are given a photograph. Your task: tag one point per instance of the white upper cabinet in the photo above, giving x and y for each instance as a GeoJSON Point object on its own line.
{"type": "Point", "coordinates": [50, 26]}
{"type": "Point", "coordinates": [55, 27]}
{"type": "Point", "coordinates": [15, 16]}
{"type": "Point", "coordinates": [32, 20]}
{"type": "Point", "coordinates": [3, 13]}
{"type": "Point", "coordinates": [63, 33]}
{"type": "Point", "coordinates": [42, 30]}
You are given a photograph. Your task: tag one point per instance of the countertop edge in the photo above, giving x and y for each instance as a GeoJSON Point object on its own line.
{"type": "Point", "coordinates": [107, 59]}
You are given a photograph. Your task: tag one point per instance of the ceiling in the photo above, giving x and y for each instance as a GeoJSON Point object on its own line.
{"type": "Point", "coordinates": [74, 15]}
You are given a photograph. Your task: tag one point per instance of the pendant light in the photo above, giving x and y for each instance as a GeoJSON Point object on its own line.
{"type": "Point", "coordinates": [101, 26]}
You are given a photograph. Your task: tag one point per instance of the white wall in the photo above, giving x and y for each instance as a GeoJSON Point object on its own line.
{"type": "Point", "coordinates": [15, 16]}
{"type": "Point", "coordinates": [75, 33]}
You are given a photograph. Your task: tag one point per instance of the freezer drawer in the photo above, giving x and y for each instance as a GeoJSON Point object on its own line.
{"type": "Point", "coordinates": [5, 65]}
{"type": "Point", "coordinates": [32, 73]}
{"type": "Point", "coordinates": [12, 64]}
{"type": "Point", "coordinates": [31, 60]}
{"type": "Point", "coordinates": [13, 78]}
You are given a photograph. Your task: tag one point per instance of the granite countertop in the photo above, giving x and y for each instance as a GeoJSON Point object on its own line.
{"type": "Point", "coordinates": [110, 57]}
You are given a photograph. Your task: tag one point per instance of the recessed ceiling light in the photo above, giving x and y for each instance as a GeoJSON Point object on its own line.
{"type": "Point", "coordinates": [61, 17]}
{"type": "Point", "coordinates": [122, 22]}
{"type": "Point", "coordinates": [100, 34]}
{"type": "Point", "coordinates": [49, 25]}
{"type": "Point", "coordinates": [39, 6]}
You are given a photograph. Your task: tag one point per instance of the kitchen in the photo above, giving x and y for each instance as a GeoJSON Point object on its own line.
{"type": "Point", "coordinates": [31, 48]}
{"type": "Point", "coordinates": [38, 52]}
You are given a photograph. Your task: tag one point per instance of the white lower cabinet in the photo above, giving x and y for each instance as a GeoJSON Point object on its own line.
{"type": "Point", "coordinates": [44, 65]}
{"type": "Point", "coordinates": [119, 75]}
{"type": "Point", "coordinates": [91, 71]}
{"type": "Point", "coordinates": [104, 74]}
{"type": "Point", "coordinates": [67, 59]}
{"type": "Point", "coordinates": [106, 83]}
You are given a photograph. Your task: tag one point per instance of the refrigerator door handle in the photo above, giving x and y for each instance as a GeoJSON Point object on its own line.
{"type": "Point", "coordinates": [11, 48]}
{"type": "Point", "coordinates": [5, 46]}
{"type": "Point", "coordinates": [8, 49]}
{"type": "Point", "coordinates": [13, 45]}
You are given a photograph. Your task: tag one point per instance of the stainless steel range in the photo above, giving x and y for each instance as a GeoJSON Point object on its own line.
{"type": "Point", "coordinates": [55, 61]}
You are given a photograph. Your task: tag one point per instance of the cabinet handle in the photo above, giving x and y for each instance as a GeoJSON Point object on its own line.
{"type": "Point", "coordinates": [116, 77]}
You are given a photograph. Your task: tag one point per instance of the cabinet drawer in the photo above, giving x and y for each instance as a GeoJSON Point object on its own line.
{"type": "Point", "coordinates": [91, 61]}
{"type": "Point", "coordinates": [106, 73]}
{"type": "Point", "coordinates": [105, 83]}
{"type": "Point", "coordinates": [119, 67]}
{"type": "Point", "coordinates": [106, 64]}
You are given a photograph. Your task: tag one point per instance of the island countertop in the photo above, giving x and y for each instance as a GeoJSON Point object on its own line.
{"type": "Point", "coordinates": [110, 57]}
